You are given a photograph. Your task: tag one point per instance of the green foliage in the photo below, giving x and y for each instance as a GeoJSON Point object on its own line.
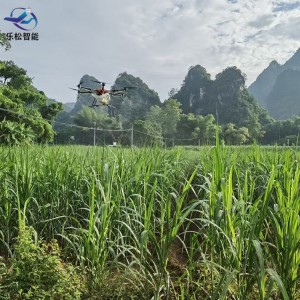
{"type": "Point", "coordinates": [36, 272]}
{"type": "Point", "coordinates": [152, 127]}
{"type": "Point", "coordinates": [49, 112]}
{"type": "Point", "coordinates": [170, 116]}
{"type": "Point", "coordinates": [169, 218]}
{"type": "Point", "coordinates": [185, 125]}
{"type": "Point", "coordinates": [14, 133]}
{"type": "Point", "coordinates": [235, 136]}
{"type": "Point", "coordinates": [215, 223]}
{"type": "Point", "coordinates": [255, 128]}
{"type": "Point", "coordinates": [205, 129]}
{"type": "Point", "coordinates": [10, 71]}
{"type": "Point", "coordinates": [90, 117]}
{"type": "Point", "coordinates": [122, 285]}
{"type": "Point", "coordinates": [286, 132]}
{"type": "Point", "coordinates": [160, 122]}
{"type": "Point", "coordinates": [24, 112]}
{"type": "Point", "coordinates": [4, 42]}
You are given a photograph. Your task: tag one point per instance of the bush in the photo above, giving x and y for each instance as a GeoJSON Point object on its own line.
{"type": "Point", "coordinates": [37, 272]}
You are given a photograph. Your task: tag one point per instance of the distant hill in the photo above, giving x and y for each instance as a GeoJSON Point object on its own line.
{"type": "Point", "coordinates": [277, 88]}
{"type": "Point", "coordinates": [283, 102]}
{"type": "Point", "coordinates": [264, 83]}
{"type": "Point", "coordinates": [226, 97]}
{"type": "Point", "coordinates": [68, 106]}
{"type": "Point", "coordinates": [138, 100]}
{"type": "Point", "coordinates": [194, 91]}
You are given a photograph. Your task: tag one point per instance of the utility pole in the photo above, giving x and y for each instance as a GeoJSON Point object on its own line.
{"type": "Point", "coordinates": [131, 139]}
{"type": "Point", "coordinates": [94, 133]}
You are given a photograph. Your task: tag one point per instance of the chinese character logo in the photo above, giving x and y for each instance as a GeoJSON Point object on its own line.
{"type": "Point", "coordinates": [23, 18]}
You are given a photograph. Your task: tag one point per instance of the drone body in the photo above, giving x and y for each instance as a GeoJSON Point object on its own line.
{"type": "Point", "coordinates": [101, 96]}
{"type": "Point", "coordinates": [100, 99]}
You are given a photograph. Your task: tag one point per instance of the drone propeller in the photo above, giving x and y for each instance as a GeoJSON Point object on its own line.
{"type": "Point", "coordinates": [79, 90]}
{"type": "Point", "coordinates": [101, 82]}
{"type": "Point", "coordinates": [74, 89]}
{"type": "Point", "coordinates": [124, 89]}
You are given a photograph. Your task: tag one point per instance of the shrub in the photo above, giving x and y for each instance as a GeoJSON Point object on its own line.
{"type": "Point", "coordinates": [37, 272]}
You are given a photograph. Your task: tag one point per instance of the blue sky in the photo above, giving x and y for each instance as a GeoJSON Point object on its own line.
{"type": "Point", "coordinates": [153, 39]}
{"type": "Point", "coordinates": [286, 6]}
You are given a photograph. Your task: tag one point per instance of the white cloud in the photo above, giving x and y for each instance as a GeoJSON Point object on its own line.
{"type": "Point", "coordinates": [155, 40]}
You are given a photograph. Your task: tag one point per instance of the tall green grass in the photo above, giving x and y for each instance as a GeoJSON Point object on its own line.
{"type": "Point", "coordinates": [219, 223]}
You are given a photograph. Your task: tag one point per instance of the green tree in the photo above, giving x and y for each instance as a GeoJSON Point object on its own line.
{"type": "Point", "coordinates": [161, 122]}
{"type": "Point", "coordinates": [13, 133]}
{"type": "Point", "coordinates": [185, 127]}
{"type": "Point", "coordinates": [151, 127]}
{"type": "Point", "coordinates": [4, 42]}
{"type": "Point", "coordinates": [234, 135]}
{"type": "Point", "coordinates": [170, 116]}
{"type": "Point", "coordinates": [49, 112]}
{"type": "Point", "coordinates": [255, 128]}
{"type": "Point", "coordinates": [21, 108]}
{"type": "Point", "coordinates": [205, 129]}
{"type": "Point", "coordinates": [10, 71]}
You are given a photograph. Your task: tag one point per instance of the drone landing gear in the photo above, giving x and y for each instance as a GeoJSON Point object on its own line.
{"type": "Point", "coordinates": [94, 105]}
{"type": "Point", "coordinates": [111, 111]}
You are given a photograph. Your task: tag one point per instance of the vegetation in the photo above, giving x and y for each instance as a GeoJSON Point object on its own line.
{"type": "Point", "coordinates": [4, 42]}
{"type": "Point", "coordinates": [25, 115]}
{"type": "Point", "coordinates": [35, 271]}
{"type": "Point", "coordinates": [219, 223]}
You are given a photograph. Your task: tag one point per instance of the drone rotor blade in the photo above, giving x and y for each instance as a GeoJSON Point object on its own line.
{"type": "Point", "coordinates": [85, 92]}
{"type": "Point", "coordinates": [116, 90]}
{"type": "Point", "coordinates": [85, 88]}
{"type": "Point", "coordinates": [124, 89]}
{"type": "Point", "coordinates": [101, 82]}
{"type": "Point", "coordinates": [130, 87]}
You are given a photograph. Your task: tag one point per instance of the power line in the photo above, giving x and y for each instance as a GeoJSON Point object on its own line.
{"type": "Point", "coordinates": [170, 139]}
